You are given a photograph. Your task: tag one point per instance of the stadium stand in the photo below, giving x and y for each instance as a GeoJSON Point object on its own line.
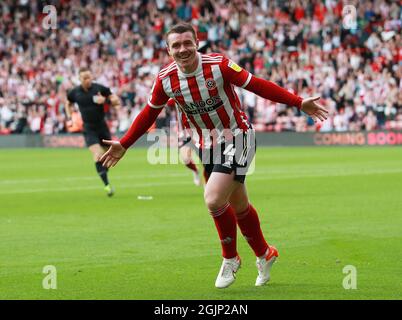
{"type": "Point", "coordinates": [301, 45]}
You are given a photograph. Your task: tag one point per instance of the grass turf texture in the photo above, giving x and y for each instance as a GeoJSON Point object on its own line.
{"type": "Point", "coordinates": [324, 208]}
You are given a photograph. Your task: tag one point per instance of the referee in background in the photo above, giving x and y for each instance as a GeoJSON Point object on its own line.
{"type": "Point", "coordinates": [90, 98]}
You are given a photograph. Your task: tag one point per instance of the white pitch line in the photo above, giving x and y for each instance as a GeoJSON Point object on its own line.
{"type": "Point", "coordinates": [253, 177]}
{"type": "Point", "coordinates": [329, 173]}
{"type": "Point", "coordinates": [88, 178]}
{"type": "Point", "coordinates": [68, 189]}
{"type": "Point", "coordinates": [298, 172]}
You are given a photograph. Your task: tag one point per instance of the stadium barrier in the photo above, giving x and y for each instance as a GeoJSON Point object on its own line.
{"type": "Point", "coordinates": [375, 138]}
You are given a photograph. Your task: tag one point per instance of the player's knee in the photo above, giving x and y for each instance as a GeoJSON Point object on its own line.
{"type": "Point", "coordinates": [186, 159]}
{"type": "Point", "coordinates": [239, 208]}
{"type": "Point", "coordinates": [239, 203]}
{"type": "Point", "coordinates": [213, 200]}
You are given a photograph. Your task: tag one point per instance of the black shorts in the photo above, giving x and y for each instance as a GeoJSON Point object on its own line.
{"type": "Point", "coordinates": [94, 134]}
{"type": "Point", "coordinates": [236, 155]}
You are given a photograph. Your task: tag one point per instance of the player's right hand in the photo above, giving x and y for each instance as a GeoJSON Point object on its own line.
{"type": "Point", "coordinates": [314, 109]}
{"type": "Point", "coordinates": [69, 123]}
{"type": "Point", "coordinates": [115, 152]}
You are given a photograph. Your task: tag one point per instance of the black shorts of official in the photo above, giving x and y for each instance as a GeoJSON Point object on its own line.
{"type": "Point", "coordinates": [235, 155]}
{"type": "Point", "coordinates": [94, 134]}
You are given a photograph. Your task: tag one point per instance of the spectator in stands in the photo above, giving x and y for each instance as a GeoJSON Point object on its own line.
{"type": "Point", "coordinates": [302, 45]}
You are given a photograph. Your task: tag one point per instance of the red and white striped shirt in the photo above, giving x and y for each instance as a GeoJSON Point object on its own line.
{"type": "Point", "coordinates": [206, 96]}
{"type": "Point", "coordinates": [209, 104]}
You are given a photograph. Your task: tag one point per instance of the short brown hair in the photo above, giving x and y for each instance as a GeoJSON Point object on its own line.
{"type": "Point", "coordinates": [181, 28]}
{"type": "Point", "coordinates": [83, 69]}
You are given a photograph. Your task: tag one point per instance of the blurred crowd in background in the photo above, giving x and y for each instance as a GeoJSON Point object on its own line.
{"type": "Point", "coordinates": [308, 47]}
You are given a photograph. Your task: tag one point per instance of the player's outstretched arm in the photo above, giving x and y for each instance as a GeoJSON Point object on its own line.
{"type": "Point", "coordinates": [115, 152]}
{"type": "Point", "coordinates": [269, 90]}
{"type": "Point", "coordinates": [141, 124]}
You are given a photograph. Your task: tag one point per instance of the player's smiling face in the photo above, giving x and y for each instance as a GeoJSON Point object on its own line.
{"type": "Point", "coordinates": [182, 47]}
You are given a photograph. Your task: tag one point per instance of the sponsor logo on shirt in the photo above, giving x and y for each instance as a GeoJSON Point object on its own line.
{"type": "Point", "coordinates": [201, 107]}
{"type": "Point", "coordinates": [234, 66]}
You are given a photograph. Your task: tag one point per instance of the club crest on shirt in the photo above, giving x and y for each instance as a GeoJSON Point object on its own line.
{"type": "Point", "coordinates": [177, 93]}
{"type": "Point", "coordinates": [234, 66]}
{"type": "Point", "coordinates": [210, 84]}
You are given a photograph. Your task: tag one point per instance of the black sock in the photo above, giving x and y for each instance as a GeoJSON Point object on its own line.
{"type": "Point", "coordinates": [102, 171]}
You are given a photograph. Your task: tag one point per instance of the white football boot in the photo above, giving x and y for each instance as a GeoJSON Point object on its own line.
{"type": "Point", "coordinates": [264, 265]}
{"type": "Point", "coordinates": [227, 273]}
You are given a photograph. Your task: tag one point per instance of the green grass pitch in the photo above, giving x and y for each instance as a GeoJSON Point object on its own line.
{"type": "Point", "coordinates": [324, 209]}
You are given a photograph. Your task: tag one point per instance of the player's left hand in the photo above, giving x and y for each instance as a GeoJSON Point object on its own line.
{"type": "Point", "coordinates": [115, 152]}
{"type": "Point", "coordinates": [314, 109]}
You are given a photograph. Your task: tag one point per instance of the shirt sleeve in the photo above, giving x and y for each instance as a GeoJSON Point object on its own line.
{"type": "Point", "coordinates": [171, 103]}
{"type": "Point", "coordinates": [269, 90]}
{"type": "Point", "coordinates": [70, 96]}
{"type": "Point", "coordinates": [105, 91]}
{"type": "Point", "coordinates": [158, 97]}
{"type": "Point", "coordinates": [141, 124]}
{"type": "Point", "coordinates": [234, 74]}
